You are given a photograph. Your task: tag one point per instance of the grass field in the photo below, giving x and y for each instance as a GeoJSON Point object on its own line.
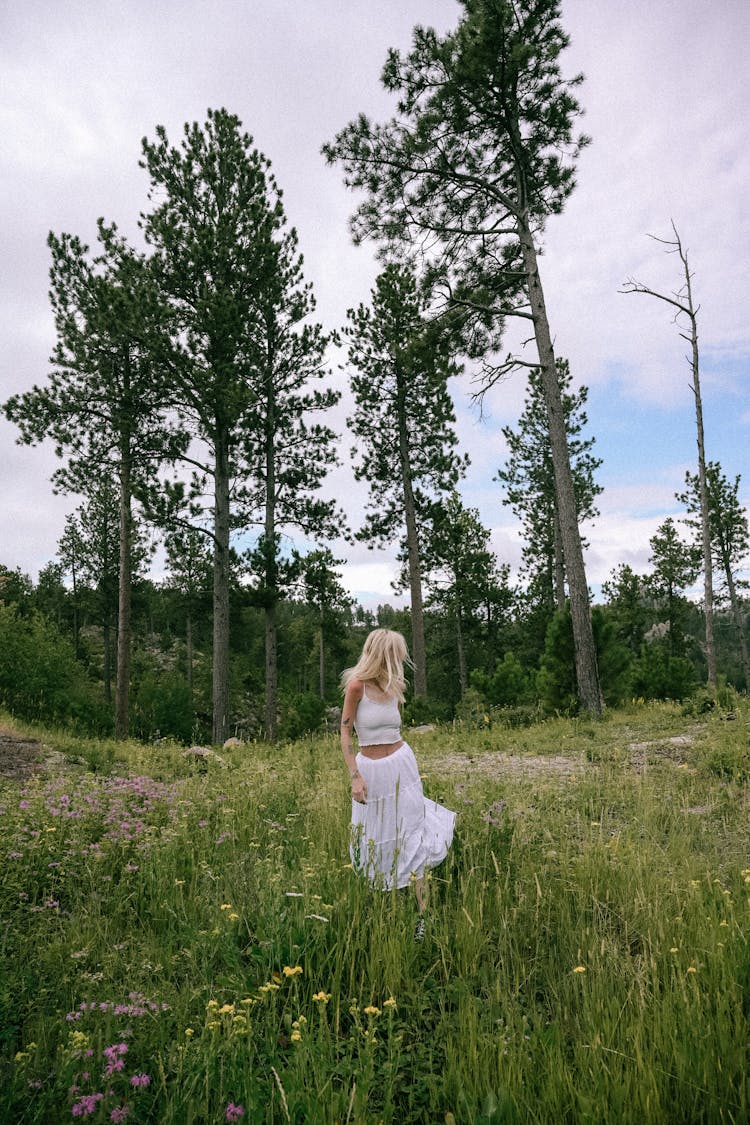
{"type": "Point", "coordinates": [183, 940]}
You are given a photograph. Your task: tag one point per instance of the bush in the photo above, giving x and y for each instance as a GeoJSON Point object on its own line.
{"type": "Point", "coordinates": [508, 686]}
{"type": "Point", "coordinates": [556, 680]}
{"type": "Point", "coordinates": [657, 674]}
{"type": "Point", "coordinates": [40, 678]}
{"type": "Point", "coordinates": [302, 714]}
{"type": "Point", "coordinates": [162, 706]}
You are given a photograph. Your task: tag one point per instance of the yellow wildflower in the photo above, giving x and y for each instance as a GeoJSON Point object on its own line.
{"type": "Point", "coordinates": [322, 997]}
{"type": "Point", "coordinates": [691, 969]}
{"type": "Point", "coordinates": [212, 1004]}
{"type": "Point", "coordinates": [389, 1003]}
{"type": "Point", "coordinates": [580, 969]}
{"type": "Point", "coordinates": [724, 922]}
{"type": "Point", "coordinates": [296, 1037]}
{"type": "Point", "coordinates": [226, 1009]}
{"type": "Point", "coordinates": [674, 949]}
{"type": "Point", "coordinates": [226, 906]}
{"type": "Point", "coordinates": [289, 972]}
{"type": "Point", "coordinates": [233, 917]}
{"type": "Point", "coordinates": [179, 882]}
{"type": "Point", "coordinates": [371, 1010]}
{"type": "Point", "coordinates": [189, 1032]}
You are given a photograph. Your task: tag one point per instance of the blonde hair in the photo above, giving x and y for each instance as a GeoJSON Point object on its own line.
{"type": "Point", "coordinates": [381, 662]}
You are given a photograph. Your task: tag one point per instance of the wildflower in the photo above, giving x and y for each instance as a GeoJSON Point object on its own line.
{"type": "Point", "coordinates": [233, 917]}
{"type": "Point", "coordinates": [289, 972]}
{"type": "Point", "coordinates": [674, 949]}
{"type": "Point", "coordinates": [86, 1105]}
{"type": "Point", "coordinates": [317, 917]}
{"type": "Point", "coordinates": [371, 1010]}
{"type": "Point", "coordinates": [212, 1004]}
{"type": "Point", "coordinates": [691, 969]}
{"type": "Point", "coordinates": [179, 882]}
{"type": "Point", "coordinates": [580, 969]}
{"type": "Point", "coordinates": [389, 1003]}
{"type": "Point", "coordinates": [140, 1080]}
{"type": "Point", "coordinates": [294, 894]}
{"type": "Point", "coordinates": [322, 997]}
{"type": "Point", "coordinates": [226, 906]}
{"type": "Point", "coordinates": [234, 1112]}
{"type": "Point", "coordinates": [724, 922]}
{"type": "Point", "coordinates": [226, 1009]}
{"type": "Point", "coordinates": [296, 1036]}
{"type": "Point", "coordinates": [119, 1113]}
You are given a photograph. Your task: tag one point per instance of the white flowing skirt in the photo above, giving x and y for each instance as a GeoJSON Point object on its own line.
{"type": "Point", "coordinates": [398, 833]}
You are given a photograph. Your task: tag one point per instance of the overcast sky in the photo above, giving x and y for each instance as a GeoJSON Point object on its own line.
{"type": "Point", "coordinates": [666, 98]}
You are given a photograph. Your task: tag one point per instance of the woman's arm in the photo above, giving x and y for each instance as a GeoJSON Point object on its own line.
{"type": "Point", "coordinates": [349, 710]}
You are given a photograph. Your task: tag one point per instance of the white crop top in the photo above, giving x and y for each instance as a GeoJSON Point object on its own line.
{"type": "Point", "coordinates": [377, 723]}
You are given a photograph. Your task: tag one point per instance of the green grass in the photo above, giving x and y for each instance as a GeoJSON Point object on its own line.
{"type": "Point", "coordinates": [586, 957]}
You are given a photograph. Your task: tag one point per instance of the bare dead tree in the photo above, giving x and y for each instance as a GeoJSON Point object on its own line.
{"type": "Point", "coordinates": [682, 301]}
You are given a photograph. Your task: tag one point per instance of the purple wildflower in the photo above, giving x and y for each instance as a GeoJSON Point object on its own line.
{"type": "Point", "coordinates": [140, 1080]}
{"type": "Point", "coordinates": [234, 1112]}
{"type": "Point", "coordinates": [119, 1113]}
{"type": "Point", "coordinates": [86, 1105]}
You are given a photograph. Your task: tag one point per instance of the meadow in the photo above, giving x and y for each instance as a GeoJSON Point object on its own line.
{"type": "Point", "coordinates": [184, 941]}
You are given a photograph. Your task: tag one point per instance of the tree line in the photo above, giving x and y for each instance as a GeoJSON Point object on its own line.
{"type": "Point", "coordinates": [189, 397]}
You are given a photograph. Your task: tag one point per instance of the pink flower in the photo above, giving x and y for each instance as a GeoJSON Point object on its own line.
{"type": "Point", "coordinates": [234, 1112]}
{"type": "Point", "coordinates": [119, 1113]}
{"type": "Point", "coordinates": [140, 1080]}
{"type": "Point", "coordinates": [86, 1105]}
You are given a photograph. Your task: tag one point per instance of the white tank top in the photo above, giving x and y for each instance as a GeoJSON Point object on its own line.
{"type": "Point", "coordinates": [377, 723]}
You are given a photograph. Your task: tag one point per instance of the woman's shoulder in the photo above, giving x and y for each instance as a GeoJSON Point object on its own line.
{"type": "Point", "coordinates": [355, 688]}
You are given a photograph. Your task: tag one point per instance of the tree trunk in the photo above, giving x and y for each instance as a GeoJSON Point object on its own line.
{"type": "Point", "coordinates": [559, 564]}
{"type": "Point", "coordinates": [322, 663]}
{"type": "Point", "coordinates": [587, 677]}
{"type": "Point", "coordinates": [270, 575]}
{"type": "Point", "coordinates": [413, 553]}
{"type": "Point", "coordinates": [221, 592]}
{"type": "Point", "coordinates": [739, 624]}
{"type": "Point", "coordinates": [189, 647]}
{"type": "Point", "coordinates": [76, 623]}
{"type": "Point", "coordinates": [107, 640]}
{"type": "Point", "coordinates": [708, 591]}
{"type": "Point", "coordinates": [122, 690]}
{"type": "Point", "coordinates": [463, 678]}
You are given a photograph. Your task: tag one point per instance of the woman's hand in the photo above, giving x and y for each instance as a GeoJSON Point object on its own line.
{"type": "Point", "coordinates": [359, 789]}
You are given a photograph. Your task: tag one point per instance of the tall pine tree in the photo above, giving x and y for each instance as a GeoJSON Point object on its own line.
{"type": "Point", "coordinates": [404, 421]}
{"type": "Point", "coordinates": [481, 153]}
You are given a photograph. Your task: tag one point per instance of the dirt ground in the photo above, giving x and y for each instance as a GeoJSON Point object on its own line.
{"type": "Point", "coordinates": [19, 757]}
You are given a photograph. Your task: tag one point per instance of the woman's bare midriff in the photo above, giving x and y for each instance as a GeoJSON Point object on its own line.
{"type": "Point", "coordinates": [381, 751]}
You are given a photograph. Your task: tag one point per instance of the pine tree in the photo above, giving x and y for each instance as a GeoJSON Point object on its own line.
{"type": "Point", "coordinates": [730, 539]}
{"type": "Point", "coordinates": [324, 592]}
{"type": "Point", "coordinates": [104, 400]}
{"type": "Point", "coordinates": [481, 153]}
{"type": "Point", "coordinates": [214, 227]}
{"type": "Point", "coordinates": [461, 570]}
{"type": "Point", "coordinates": [403, 421]}
{"type": "Point", "coordinates": [530, 482]}
{"type": "Point", "coordinates": [676, 565]}
{"type": "Point", "coordinates": [288, 452]}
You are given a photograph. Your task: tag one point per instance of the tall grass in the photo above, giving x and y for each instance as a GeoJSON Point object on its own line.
{"type": "Point", "coordinates": [183, 940]}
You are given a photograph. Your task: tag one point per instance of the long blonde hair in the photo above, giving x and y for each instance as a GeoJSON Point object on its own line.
{"type": "Point", "coordinates": [381, 662]}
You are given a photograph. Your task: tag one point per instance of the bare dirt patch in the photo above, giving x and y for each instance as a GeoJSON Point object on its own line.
{"type": "Point", "coordinates": [517, 765]}
{"type": "Point", "coordinates": [21, 757]}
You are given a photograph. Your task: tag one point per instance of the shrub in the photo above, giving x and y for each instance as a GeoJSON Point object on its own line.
{"type": "Point", "coordinates": [302, 714]}
{"type": "Point", "coordinates": [508, 686]}
{"type": "Point", "coordinates": [40, 678]}
{"type": "Point", "coordinates": [162, 705]}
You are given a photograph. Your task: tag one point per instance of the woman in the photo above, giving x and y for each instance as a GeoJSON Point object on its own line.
{"type": "Point", "coordinates": [397, 833]}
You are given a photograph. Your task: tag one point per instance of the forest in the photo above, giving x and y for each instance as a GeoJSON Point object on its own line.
{"type": "Point", "coordinates": [190, 397]}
